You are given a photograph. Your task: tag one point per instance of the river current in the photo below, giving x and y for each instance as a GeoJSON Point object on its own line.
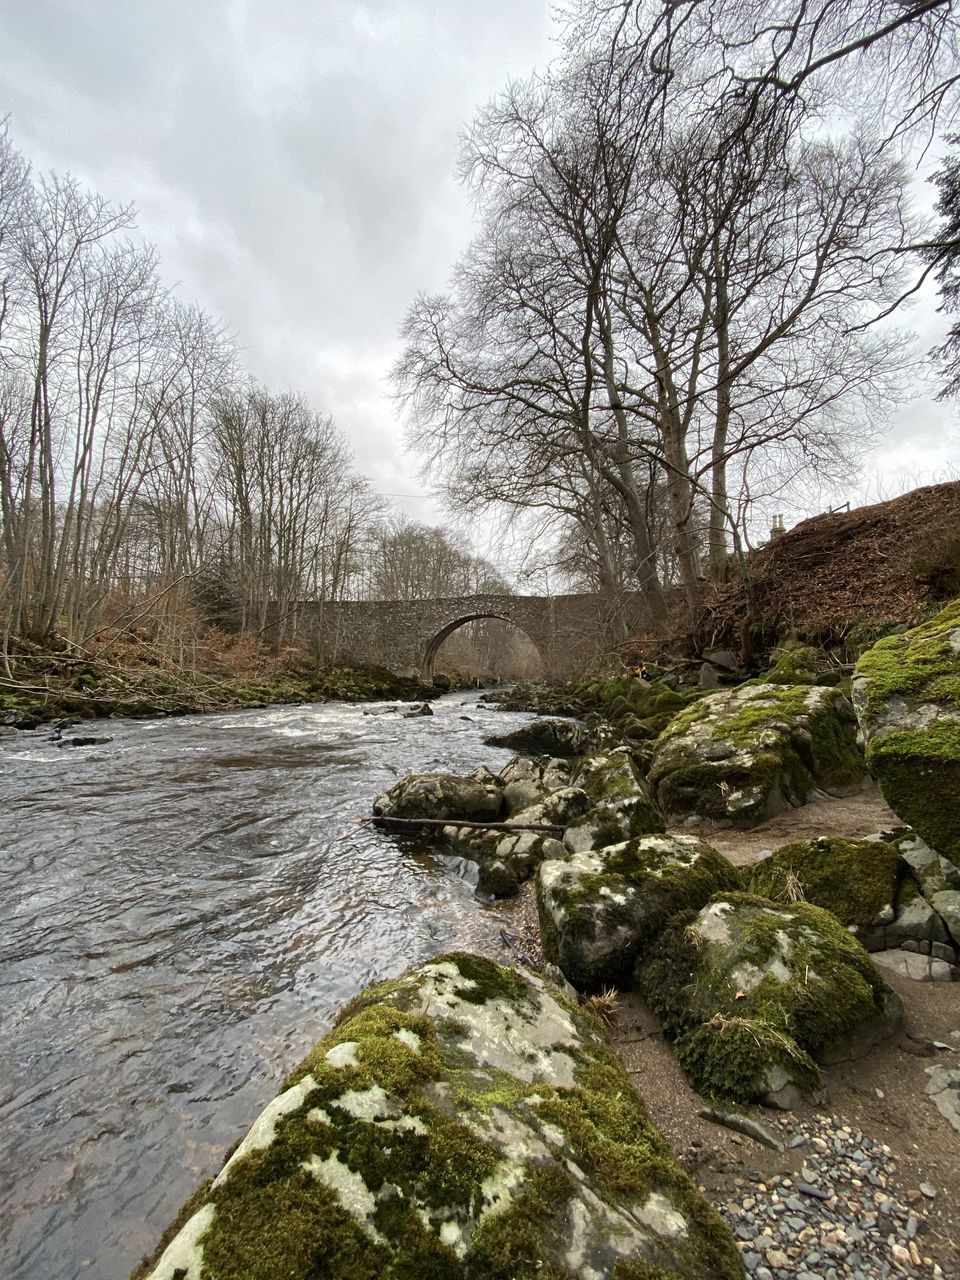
{"type": "Point", "coordinates": [182, 911]}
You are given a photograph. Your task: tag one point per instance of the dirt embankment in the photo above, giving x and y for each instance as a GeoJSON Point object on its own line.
{"type": "Point", "coordinates": [846, 573]}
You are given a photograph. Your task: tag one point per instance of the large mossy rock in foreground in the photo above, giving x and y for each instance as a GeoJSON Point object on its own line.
{"type": "Point", "coordinates": [906, 690]}
{"type": "Point", "coordinates": [756, 994]}
{"type": "Point", "coordinates": [463, 1122]}
{"type": "Point", "coordinates": [599, 910]}
{"type": "Point", "coordinates": [741, 756]}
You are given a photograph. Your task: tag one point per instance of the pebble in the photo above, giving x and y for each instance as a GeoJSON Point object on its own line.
{"type": "Point", "coordinates": [840, 1220]}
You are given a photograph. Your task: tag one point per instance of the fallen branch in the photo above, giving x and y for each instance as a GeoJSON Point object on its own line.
{"type": "Point", "coordinates": [382, 820]}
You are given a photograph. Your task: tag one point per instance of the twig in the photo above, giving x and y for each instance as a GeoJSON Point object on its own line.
{"type": "Point", "coordinates": [382, 820]}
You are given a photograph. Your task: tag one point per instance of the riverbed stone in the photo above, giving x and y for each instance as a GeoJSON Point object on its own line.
{"type": "Point", "coordinates": [504, 859]}
{"type": "Point", "coordinates": [943, 1088]}
{"type": "Point", "coordinates": [528, 779]}
{"type": "Point", "coordinates": [947, 906]}
{"type": "Point", "coordinates": [548, 737]}
{"type": "Point", "coordinates": [915, 965]}
{"type": "Point", "coordinates": [906, 691]}
{"type": "Point", "coordinates": [476, 797]}
{"type": "Point", "coordinates": [756, 994]}
{"type": "Point", "coordinates": [740, 756]}
{"type": "Point", "coordinates": [463, 1122]}
{"type": "Point", "coordinates": [599, 909]}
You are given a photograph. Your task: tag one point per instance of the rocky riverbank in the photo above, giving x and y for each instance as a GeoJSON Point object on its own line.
{"type": "Point", "coordinates": [56, 688]}
{"type": "Point", "coordinates": [746, 987]}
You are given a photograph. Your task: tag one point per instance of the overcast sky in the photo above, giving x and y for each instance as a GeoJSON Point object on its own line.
{"type": "Point", "coordinates": [294, 162]}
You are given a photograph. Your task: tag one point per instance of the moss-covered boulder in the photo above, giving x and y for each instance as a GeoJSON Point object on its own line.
{"type": "Point", "coordinates": [464, 1122]}
{"type": "Point", "coordinates": [906, 690]}
{"type": "Point", "coordinates": [528, 779]}
{"type": "Point", "coordinates": [622, 806]}
{"type": "Point", "coordinates": [740, 756]}
{"type": "Point", "coordinates": [856, 880]}
{"type": "Point", "coordinates": [505, 859]}
{"type": "Point", "coordinates": [478, 797]}
{"type": "Point", "coordinates": [755, 994]}
{"type": "Point", "coordinates": [599, 910]}
{"type": "Point", "coordinates": [794, 664]}
{"type": "Point", "coordinates": [550, 737]}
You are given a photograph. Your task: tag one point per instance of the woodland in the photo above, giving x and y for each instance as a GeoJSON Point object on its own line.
{"type": "Point", "coordinates": [681, 307]}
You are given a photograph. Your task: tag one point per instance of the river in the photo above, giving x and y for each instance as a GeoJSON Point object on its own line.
{"type": "Point", "coordinates": [183, 909]}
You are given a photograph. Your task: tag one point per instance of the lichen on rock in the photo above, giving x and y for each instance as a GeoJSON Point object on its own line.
{"type": "Point", "coordinates": [476, 797]}
{"type": "Point", "coordinates": [599, 909]}
{"type": "Point", "coordinates": [740, 756]}
{"type": "Point", "coordinates": [755, 994]}
{"type": "Point", "coordinates": [463, 1122]}
{"type": "Point", "coordinates": [906, 691]}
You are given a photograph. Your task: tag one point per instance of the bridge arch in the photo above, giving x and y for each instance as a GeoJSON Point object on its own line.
{"type": "Point", "coordinates": [433, 645]}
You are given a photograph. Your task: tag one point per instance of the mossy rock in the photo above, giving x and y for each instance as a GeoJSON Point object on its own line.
{"type": "Point", "coordinates": [795, 664]}
{"type": "Point", "coordinates": [551, 737]}
{"type": "Point", "coordinates": [906, 690]}
{"type": "Point", "coordinates": [504, 859]}
{"type": "Point", "coordinates": [856, 880]}
{"type": "Point", "coordinates": [740, 756]}
{"type": "Point", "coordinates": [599, 910]}
{"type": "Point", "coordinates": [529, 779]}
{"type": "Point", "coordinates": [443, 796]}
{"type": "Point", "coordinates": [756, 994]}
{"type": "Point", "coordinates": [623, 808]}
{"type": "Point", "coordinates": [464, 1122]}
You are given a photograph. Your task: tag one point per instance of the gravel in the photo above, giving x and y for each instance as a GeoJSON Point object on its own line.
{"type": "Point", "coordinates": [839, 1220]}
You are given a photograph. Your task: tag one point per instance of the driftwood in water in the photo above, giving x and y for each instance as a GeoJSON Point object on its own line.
{"type": "Point", "coordinates": [544, 827]}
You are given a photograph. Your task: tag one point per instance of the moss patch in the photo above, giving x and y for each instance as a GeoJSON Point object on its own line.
{"type": "Point", "coordinates": [853, 879]}
{"type": "Point", "coordinates": [907, 693]}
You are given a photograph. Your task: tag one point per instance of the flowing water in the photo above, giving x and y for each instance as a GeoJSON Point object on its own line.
{"type": "Point", "coordinates": [182, 910]}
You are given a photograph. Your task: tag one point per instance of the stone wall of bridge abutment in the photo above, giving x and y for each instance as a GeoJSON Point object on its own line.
{"type": "Point", "coordinates": [570, 632]}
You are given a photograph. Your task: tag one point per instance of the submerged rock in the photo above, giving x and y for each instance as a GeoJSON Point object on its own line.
{"type": "Point", "coordinates": [756, 994]}
{"type": "Point", "coordinates": [741, 756]}
{"type": "Point", "coordinates": [599, 910]}
{"type": "Point", "coordinates": [906, 690]}
{"type": "Point", "coordinates": [464, 1122]}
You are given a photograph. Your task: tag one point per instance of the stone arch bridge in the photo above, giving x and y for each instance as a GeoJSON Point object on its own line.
{"type": "Point", "coordinates": [569, 632]}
